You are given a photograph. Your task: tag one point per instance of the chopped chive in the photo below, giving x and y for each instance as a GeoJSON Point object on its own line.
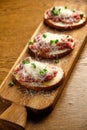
{"type": "Point", "coordinates": [25, 62]}
{"type": "Point", "coordinates": [81, 15]}
{"type": "Point", "coordinates": [42, 72]}
{"type": "Point", "coordinates": [68, 39]}
{"type": "Point", "coordinates": [67, 36]}
{"type": "Point", "coordinates": [58, 12]}
{"type": "Point", "coordinates": [53, 8]}
{"type": "Point", "coordinates": [52, 42]}
{"type": "Point", "coordinates": [31, 43]}
{"type": "Point", "coordinates": [34, 65]}
{"type": "Point", "coordinates": [65, 7]}
{"type": "Point", "coordinates": [45, 70]}
{"type": "Point", "coordinates": [44, 35]}
{"type": "Point", "coordinates": [11, 84]}
{"type": "Point", "coordinates": [74, 11]}
{"type": "Point", "coordinates": [56, 41]}
{"type": "Point", "coordinates": [55, 12]}
{"type": "Point", "coordinates": [57, 61]}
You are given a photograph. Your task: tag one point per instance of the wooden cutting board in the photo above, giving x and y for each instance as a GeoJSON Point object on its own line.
{"type": "Point", "coordinates": [45, 100]}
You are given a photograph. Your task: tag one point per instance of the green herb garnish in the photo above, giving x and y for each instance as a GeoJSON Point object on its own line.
{"type": "Point", "coordinates": [57, 61]}
{"type": "Point", "coordinates": [58, 12]}
{"type": "Point", "coordinates": [74, 11]}
{"type": "Point", "coordinates": [68, 37]}
{"type": "Point", "coordinates": [11, 84]}
{"type": "Point", "coordinates": [42, 72]}
{"type": "Point", "coordinates": [45, 70]}
{"type": "Point", "coordinates": [55, 12]}
{"type": "Point", "coordinates": [33, 65]}
{"type": "Point", "coordinates": [25, 62]}
{"type": "Point", "coordinates": [31, 43]}
{"type": "Point", "coordinates": [54, 41]}
{"type": "Point", "coordinates": [65, 7]}
{"type": "Point", "coordinates": [44, 35]}
{"type": "Point", "coordinates": [81, 15]}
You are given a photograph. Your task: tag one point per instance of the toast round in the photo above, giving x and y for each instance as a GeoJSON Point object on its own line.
{"type": "Point", "coordinates": [54, 53]}
{"type": "Point", "coordinates": [46, 85]}
{"type": "Point", "coordinates": [64, 26]}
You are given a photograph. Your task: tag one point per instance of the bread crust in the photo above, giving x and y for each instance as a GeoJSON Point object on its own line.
{"type": "Point", "coordinates": [58, 55]}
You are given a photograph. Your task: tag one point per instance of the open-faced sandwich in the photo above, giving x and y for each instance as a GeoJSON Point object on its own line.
{"type": "Point", "coordinates": [37, 76]}
{"type": "Point", "coordinates": [63, 18]}
{"type": "Point", "coordinates": [49, 45]}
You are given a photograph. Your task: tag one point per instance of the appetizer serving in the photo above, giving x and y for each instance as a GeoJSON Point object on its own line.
{"type": "Point", "coordinates": [37, 76]}
{"type": "Point", "coordinates": [60, 17]}
{"type": "Point", "coordinates": [49, 45]}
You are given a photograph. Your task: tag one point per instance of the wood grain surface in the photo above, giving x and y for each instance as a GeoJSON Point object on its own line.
{"type": "Point", "coordinates": [13, 118]}
{"type": "Point", "coordinates": [17, 24]}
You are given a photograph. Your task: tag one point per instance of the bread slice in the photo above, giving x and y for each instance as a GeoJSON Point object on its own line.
{"type": "Point", "coordinates": [47, 45]}
{"type": "Point", "coordinates": [32, 71]}
{"type": "Point", "coordinates": [65, 26]}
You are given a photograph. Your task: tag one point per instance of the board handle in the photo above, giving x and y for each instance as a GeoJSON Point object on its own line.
{"type": "Point", "coordinates": [13, 118]}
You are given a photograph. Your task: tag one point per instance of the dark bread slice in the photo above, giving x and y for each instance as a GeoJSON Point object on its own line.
{"type": "Point", "coordinates": [52, 56]}
{"type": "Point", "coordinates": [64, 26]}
{"type": "Point", "coordinates": [46, 85]}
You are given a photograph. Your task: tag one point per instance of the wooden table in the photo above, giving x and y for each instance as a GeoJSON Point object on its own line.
{"type": "Point", "coordinates": [18, 21]}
